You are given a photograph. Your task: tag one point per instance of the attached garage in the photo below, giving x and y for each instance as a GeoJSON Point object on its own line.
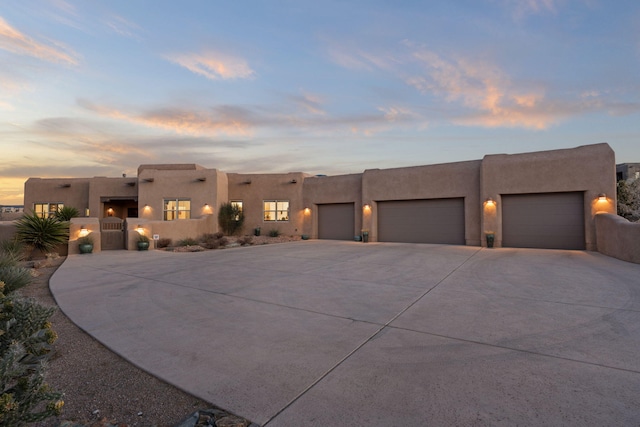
{"type": "Point", "coordinates": [336, 221]}
{"type": "Point", "coordinates": [422, 221]}
{"type": "Point", "coordinates": [546, 220]}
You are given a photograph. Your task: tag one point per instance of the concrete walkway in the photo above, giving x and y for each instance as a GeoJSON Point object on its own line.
{"type": "Point", "coordinates": [350, 334]}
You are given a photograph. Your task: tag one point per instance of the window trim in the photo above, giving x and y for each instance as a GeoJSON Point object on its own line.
{"type": "Point", "coordinates": [50, 213]}
{"type": "Point", "coordinates": [265, 212]}
{"type": "Point", "coordinates": [177, 211]}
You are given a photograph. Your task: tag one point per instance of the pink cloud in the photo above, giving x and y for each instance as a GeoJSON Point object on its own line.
{"type": "Point", "coordinates": [213, 65]}
{"type": "Point", "coordinates": [16, 42]}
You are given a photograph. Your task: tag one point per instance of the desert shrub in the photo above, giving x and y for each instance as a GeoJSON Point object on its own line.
{"type": "Point", "coordinates": [230, 218]}
{"type": "Point", "coordinates": [65, 213]}
{"type": "Point", "coordinates": [12, 249]}
{"type": "Point", "coordinates": [41, 233]}
{"type": "Point", "coordinates": [213, 241]}
{"type": "Point", "coordinates": [188, 241]}
{"type": "Point", "coordinates": [14, 277]}
{"type": "Point", "coordinates": [274, 232]}
{"type": "Point", "coordinates": [26, 338]}
{"type": "Point", "coordinates": [164, 242]}
{"type": "Point", "coordinates": [246, 240]}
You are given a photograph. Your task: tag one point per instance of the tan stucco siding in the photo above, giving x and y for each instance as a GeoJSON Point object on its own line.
{"type": "Point", "coordinates": [590, 169]}
{"type": "Point", "coordinates": [320, 190]}
{"type": "Point", "coordinates": [451, 180]}
{"type": "Point", "coordinates": [73, 192]}
{"type": "Point", "coordinates": [254, 189]}
{"type": "Point", "coordinates": [199, 186]}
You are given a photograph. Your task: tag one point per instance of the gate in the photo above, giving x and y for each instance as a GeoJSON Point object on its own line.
{"type": "Point", "coordinates": [112, 235]}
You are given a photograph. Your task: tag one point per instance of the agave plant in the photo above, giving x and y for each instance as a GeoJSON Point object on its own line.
{"type": "Point", "coordinates": [42, 233]}
{"type": "Point", "coordinates": [65, 213]}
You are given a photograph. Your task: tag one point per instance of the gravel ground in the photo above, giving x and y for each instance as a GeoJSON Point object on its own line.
{"type": "Point", "coordinates": [102, 388]}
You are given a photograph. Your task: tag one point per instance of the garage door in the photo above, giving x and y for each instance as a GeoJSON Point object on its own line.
{"type": "Point", "coordinates": [549, 220]}
{"type": "Point", "coordinates": [422, 221]}
{"type": "Point", "coordinates": [336, 221]}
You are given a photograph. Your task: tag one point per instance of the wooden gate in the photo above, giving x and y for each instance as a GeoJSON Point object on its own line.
{"type": "Point", "coordinates": [112, 233]}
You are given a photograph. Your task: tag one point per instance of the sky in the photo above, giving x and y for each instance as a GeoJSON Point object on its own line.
{"type": "Point", "coordinates": [96, 88]}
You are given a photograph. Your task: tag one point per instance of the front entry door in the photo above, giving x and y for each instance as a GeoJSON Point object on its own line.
{"type": "Point", "coordinates": [112, 233]}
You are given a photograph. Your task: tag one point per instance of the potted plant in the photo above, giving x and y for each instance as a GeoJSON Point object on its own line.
{"type": "Point", "coordinates": [490, 235]}
{"type": "Point", "coordinates": [143, 242]}
{"type": "Point", "coordinates": [365, 236]}
{"type": "Point", "coordinates": [85, 244]}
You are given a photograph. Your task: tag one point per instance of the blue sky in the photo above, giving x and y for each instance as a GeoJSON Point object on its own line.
{"type": "Point", "coordinates": [91, 88]}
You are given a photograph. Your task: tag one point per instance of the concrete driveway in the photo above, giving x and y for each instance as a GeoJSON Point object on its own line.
{"type": "Point", "coordinates": [343, 333]}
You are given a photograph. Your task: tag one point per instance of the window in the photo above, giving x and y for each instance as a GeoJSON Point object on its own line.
{"type": "Point", "coordinates": [177, 209]}
{"type": "Point", "coordinates": [237, 204]}
{"type": "Point", "coordinates": [276, 210]}
{"type": "Point", "coordinates": [46, 210]}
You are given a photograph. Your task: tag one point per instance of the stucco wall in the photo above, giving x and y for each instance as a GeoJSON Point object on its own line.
{"type": "Point", "coordinates": [617, 237]}
{"type": "Point", "coordinates": [319, 190]}
{"type": "Point", "coordinates": [589, 169]}
{"type": "Point", "coordinates": [204, 187]}
{"type": "Point", "coordinates": [72, 192]}
{"type": "Point", "coordinates": [174, 230]}
{"type": "Point", "coordinates": [92, 225]}
{"type": "Point", "coordinates": [450, 180]}
{"type": "Point", "coordinates": [254, 189]}
{"type": "Point", "coordinates": [114, 188]}
{"type": "Point", "coordinates": [7, 230]}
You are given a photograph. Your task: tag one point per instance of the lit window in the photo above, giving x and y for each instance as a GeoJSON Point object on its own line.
{"type": "Point", "coordinates": [46, 210]}
{"type": "Point", "coordinates": [177, 209]}
{"type": "Point", "coordinates": [276, 210]}
{"type": "Point", "coordinates": [237, 204]}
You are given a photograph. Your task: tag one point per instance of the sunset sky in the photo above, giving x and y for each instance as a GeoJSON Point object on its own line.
{"type": "Point", "coordinates": [96, 88]}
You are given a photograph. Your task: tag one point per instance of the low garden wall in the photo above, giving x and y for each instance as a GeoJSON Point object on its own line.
{"type": "Point", "coordinates": [617, 237]}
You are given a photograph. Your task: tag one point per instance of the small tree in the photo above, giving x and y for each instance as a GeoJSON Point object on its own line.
{"type": "Point", "coordinates": [628, 195]}
{"type": "Point", "coordinates": [230, 218]}
{"type": "Point", "coordinates": [42, 233]}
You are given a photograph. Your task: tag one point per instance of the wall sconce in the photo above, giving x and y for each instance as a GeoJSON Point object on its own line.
{"type": "Point", "coordinates": [367, 207]}
{"type": "Point", "coordinates": [140, 230]}
{"type": "Point", "coordinates": [83, 231]}
{"type": "Point", "coordinates": [206, 205]}
{"type": "Point", "coordinates": [146, 207]}
{"type": "Point", "coordinates": [86, 212]}
{"type": "Point", "coordinates": [490, 202]}
{"type": "Point", "coordinates": [110, 212]}
{"type": "Point", "coordinates": [293, 181]}
{"type": "Point", "coordinates": [602, 197]}
{"type": "Point", "coordinates": [307, 211]}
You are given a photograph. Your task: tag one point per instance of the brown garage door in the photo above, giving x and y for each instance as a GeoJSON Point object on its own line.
{"type": "Point", "coordinates": [422, 221]}
{"type": "Point", "coordinates": [548, 220]}
{"type": "Point", "coordinates": [336, 221]}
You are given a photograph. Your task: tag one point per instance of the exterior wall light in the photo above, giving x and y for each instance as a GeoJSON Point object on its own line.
{"type": "Point", "coordinates": [602, 197]}
{"type": "Point", "coordinates": [307, 211]}
{"type": "Point", "coordinates": [367, 207]}
{"type": "Point", "coordinates": [490, 202]}
{"type": "Point", "coordinates": [86, 212]}
{"type": "Point", "coordinates": [110, 212]}
{"type": "Point", "coordinates": [83, 231]}
{"type": "Point", "coordinates": [140, 230]}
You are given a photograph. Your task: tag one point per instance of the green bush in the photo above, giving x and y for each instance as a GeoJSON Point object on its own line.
{"type": "Point", "coordinates": [274, 232]}
{"type": "Point", "coordinates": [230, 218]}
{"type": "Point", "coordinates": [66, 213]}
{"type": "Point", "coordinates": [12, 249]}
{"type": "Point", "coordinates": [187, 242]}
{"type": "Point", "coordinates": [41, 233]}
{"type": "Point", "coordinates": [14, 277]}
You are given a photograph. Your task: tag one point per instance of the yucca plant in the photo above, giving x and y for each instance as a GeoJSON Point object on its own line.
{"type": "Point", "coordinates": [65, 213]}
{"type": "Point", "coordinates": [41, 233]}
